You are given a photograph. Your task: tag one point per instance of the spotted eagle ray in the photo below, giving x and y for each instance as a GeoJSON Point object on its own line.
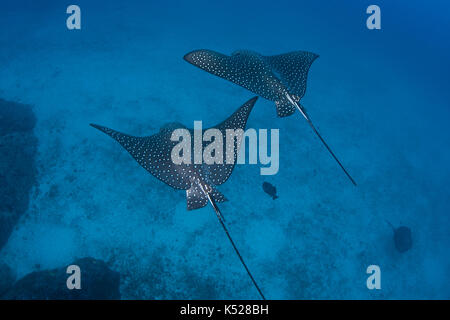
{"type": "Point", "coordinates": [153, 153]}
{"type": "Point", "coordinates": [279, 78]}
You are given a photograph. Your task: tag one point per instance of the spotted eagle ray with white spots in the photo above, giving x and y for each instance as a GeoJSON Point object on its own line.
{"type": "Point", "coordinates": [154, 152]}
{"type": "Point", "coordinates": [279, 78]}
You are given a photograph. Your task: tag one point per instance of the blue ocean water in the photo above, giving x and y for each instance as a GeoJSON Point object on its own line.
{"type": "Point", "coordinates": [379, 97]}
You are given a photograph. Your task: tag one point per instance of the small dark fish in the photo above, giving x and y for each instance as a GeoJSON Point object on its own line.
{"type": "Point", "coordinates": [402, 238]}
{"type": "Point", "coordinates": [270, 190]}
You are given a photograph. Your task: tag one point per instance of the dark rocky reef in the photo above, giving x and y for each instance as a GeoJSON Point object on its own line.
{"type": "Point", "coordinates": [98, 282]}
{"type": "Point", "coordinates": [7, 278]}
{"type": "Point", "coordinates": [18, 147]}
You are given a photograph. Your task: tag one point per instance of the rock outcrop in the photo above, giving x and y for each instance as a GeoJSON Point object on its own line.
{"type": "Point", "coordinates": [97, 282]}
{"type": "Point", "coordinates": [18, 146]}
{"type": "Point", "coordinates": [6, 278]}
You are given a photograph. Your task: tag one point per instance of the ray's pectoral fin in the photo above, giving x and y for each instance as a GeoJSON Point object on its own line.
{"type": "Point", "coordinates": [196, 198]}
{"type": "Point", "coordinates": [284, 108]}
{"type": "Point", "coordinates": [293, 69]}
{"type": "Point", "coordinates": [218, 196]}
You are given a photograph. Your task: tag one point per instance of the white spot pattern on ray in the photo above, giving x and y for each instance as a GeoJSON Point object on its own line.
{"type": "Point", "coordinates": [153, 153]}
{"type": "Point", "coordinates": [271, 77]}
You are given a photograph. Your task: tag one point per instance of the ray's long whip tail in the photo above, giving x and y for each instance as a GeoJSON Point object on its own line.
{"type": "Point", "coordinates": [320, 137]}
{"type": "Point", "coordinates": [331, 152]}
{"type": "Point", "coordinates": [219, 216]}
